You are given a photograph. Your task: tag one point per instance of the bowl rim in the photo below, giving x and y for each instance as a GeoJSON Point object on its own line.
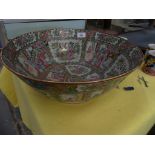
{"type": "Point", "coordinates": [75, 82]}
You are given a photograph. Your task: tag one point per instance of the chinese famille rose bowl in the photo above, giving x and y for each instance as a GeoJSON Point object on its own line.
{"type": "Point", "coordinates": [71, 65]}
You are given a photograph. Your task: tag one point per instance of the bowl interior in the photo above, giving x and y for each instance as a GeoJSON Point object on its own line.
{"type": "Point", "coordinates": [67, 55]}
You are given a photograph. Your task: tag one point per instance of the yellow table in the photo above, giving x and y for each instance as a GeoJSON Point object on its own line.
{"type": "Point", "coordinates": [115, 112]}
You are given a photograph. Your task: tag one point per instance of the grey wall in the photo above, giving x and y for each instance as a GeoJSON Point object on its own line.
{"type": "Point", "coordinates": [15, 27]}
{"type": "Point", "coordinates": [3, 38]}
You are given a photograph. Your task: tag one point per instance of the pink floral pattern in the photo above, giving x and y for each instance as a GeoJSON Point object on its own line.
{"type": "Point", "coordinates": [64, 64]}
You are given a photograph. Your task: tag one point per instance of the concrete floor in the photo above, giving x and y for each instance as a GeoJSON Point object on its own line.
{"type": "Point", "coordinates": [152, 131]}
{"type": "Point", "coordinates": [10, 119]}
{"type": "Point", "coordinates": [7, 125]}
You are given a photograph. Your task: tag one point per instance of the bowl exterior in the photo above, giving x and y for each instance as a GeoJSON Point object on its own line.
{"type": "Point", "coordinates": [74, 93]}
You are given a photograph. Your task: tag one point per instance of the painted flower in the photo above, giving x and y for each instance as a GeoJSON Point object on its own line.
{"type": "Point", "coordinates": [81, 88]}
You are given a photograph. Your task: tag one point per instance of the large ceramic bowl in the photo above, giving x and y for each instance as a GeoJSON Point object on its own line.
{"type": "Point", "coordinates": [71, 65]}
